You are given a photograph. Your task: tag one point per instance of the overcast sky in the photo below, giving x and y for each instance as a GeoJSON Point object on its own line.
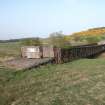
{"type": "Point", "coordinates": [39, 18]}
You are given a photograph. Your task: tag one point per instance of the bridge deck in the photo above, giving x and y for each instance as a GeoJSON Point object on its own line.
{"type": "Point", "coordinates": [26, 63]}
{"type": "Point", "coordinates": [60, 56]}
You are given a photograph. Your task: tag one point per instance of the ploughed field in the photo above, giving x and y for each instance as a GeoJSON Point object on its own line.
{"type": "Point", "coordinates": [80, 82]}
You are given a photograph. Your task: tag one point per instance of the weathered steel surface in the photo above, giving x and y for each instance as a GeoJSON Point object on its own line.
{"type": "Point", "coordinates": [65, 55]}
{"type": "Point", "coordinates": [37, 52]}
{"type": "Point", "coordinates": [48, 51]}
{"type": "Point", "coordinates": [31, 52]}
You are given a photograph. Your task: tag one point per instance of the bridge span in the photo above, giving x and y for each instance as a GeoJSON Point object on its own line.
{"type": "Point", "coordinates": [63, 55]}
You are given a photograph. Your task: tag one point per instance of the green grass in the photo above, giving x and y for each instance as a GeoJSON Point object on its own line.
{"type": "Point", "coordinates": [81, 82]}
{"type": "Point", "coordinates": [9, 49]}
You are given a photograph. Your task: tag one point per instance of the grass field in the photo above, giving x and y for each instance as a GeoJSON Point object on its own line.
{"type": "Point", "coordinates": [80, 82]}
{"type": "Point", "coordinates": [9, 49]}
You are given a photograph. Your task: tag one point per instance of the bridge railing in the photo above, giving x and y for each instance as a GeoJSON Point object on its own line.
{"type": "Point", "coordinates": [65, 55]}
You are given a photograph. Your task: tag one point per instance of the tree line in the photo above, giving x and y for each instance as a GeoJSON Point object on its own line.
{"type": "Point", "coordinates": [58, 39]}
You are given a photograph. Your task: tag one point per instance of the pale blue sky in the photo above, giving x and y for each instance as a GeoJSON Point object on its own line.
{"type": "Point", "coordinates": [39, 18]}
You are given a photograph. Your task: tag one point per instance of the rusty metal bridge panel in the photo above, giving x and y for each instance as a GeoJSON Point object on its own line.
{"type": "Point", "coordinates": [66, 55]}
